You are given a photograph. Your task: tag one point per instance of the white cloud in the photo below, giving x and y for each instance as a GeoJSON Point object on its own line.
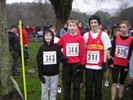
{"type": "Point", "coordinates": [89, 6]}
{"type": "Point", "coordinates": [12, 1]}
{"type": "Point", "coordinates": [92, 5]}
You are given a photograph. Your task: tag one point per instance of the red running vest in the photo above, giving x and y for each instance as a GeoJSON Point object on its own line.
{"type": "Point", "coordinates": [122, 50]}
{"type": "Point", "coordinates": [95, 50]}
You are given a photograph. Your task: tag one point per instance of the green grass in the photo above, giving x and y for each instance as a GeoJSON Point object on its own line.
{"type": "Point", "coordinates": [33, 84]}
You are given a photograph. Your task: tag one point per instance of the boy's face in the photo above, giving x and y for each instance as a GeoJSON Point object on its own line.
{"type": "Point", "coordinates": [48, 37]}
{"type": "Point", "coordinates": [123, 28]}
{"type": "Point", "coordinates": [94, 24]}
{"type": "Point", "coordinates": [72, 27]}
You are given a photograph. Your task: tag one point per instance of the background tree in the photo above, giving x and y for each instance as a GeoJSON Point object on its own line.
{"type": "Point", "coordinates": [125, 13]}
{"type": "Point", "coordinates": [120, 12]}
{"type": "Point", "coordinates": [62, 9]}
{"type": "Point", "coordinates": [104, 18]}
{"type": "Point", "coordinates": [5, 69]}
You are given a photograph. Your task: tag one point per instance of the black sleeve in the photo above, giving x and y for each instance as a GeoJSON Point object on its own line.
{"type": "Point", "coordinates": [113, 47]}
{"type": "Point", "coordinates": [59, 53]}
{"type": "Point", "coordinates": [39, 56]}
{"type": "Point", "coordinates": [10, 39]}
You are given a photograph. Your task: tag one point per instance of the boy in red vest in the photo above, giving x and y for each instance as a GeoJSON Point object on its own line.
{"type": "Point", "coordinates": [74, 48]}
{"type": "Point", "coordinates": [97, 45]}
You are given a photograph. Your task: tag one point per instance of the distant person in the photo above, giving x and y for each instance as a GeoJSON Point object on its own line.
{"type": "Point", "coordinates": [109, 70]}
{"type": "Point", "coordinates": [38, 32]}
{"type": "Point", "coordinates": [117, 25]}
{"type": "Point", "coordinates": [130, 84]}
{"type": "Point", "coordinates": [130, 78]}
{"type": "Point", "coordinates": [63, 30]}
{"type": "Point", "coordinates": [108, 30]}
{"type": "Point", "coordinates": [131, 31]}
{"type": "Point", "coordinates": [25, 44]}
{"type": "Point", "coordinates": [48, 57]}
{"type": "Point", "coordinates": [81, 28]}
{"type": "Point", "coordinates": [100, 27]}
{"type": "Point", "coordinates": [56, 39]}
{"type": "Point", "coordinates": [73, 47]}
{"type": "Point", "coordinates": [14, 47]}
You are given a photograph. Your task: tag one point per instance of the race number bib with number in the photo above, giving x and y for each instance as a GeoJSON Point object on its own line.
{"type": "Point", "coordinates": [72, 49]}
{"type": "Point", "coordinates": [49, 58]}
{"type": "Point", "coordinates": [121, 51]}
{"type": "Point", "coordinates": [93, 57]}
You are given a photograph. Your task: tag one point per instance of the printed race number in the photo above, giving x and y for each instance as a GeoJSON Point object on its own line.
{"type": "Point", "coordinates": [49, 58]}
{"type": "Point", "coordinates": [72, 49]}
{"type": "Point", "coordinates": [92, 57]}
{"type": "Point", "coordinates": [121, 51]}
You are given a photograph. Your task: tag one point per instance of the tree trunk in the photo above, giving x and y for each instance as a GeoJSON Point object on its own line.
{"type": "Point", "coordinates": [62, 9]}
{"type": "Point", "coordinates": [5, 65]}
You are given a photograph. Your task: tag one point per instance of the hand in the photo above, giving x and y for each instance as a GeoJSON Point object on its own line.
{"type": "Point", "coordinates": [25, 45]}
{"type": "Point", "coordinates": [109, 62]}
{"type": "Point", "coordinates": [63, 59]}
{"type": "Point", "coordinates": [104, 68]}
{"type": "Point", "coordinates": [126, 70]}
{"type": "Point", "coordinates": [42, 79]}
{"type": "Point", "coordinates": [111, 66]}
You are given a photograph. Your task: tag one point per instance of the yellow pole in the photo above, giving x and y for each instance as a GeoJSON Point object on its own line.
{"type": "Point", "coordinates": [22, 58]}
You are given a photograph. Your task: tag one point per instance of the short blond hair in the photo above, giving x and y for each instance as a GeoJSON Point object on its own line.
{"type": "Point", "coordinates": [72, 20]}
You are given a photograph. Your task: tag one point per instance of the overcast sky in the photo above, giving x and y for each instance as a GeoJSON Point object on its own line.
{"type": "Point", "coordinates": [89, 5]}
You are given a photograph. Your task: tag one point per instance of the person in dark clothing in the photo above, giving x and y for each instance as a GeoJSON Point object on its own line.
{"type": "Point", "coordinates": [14, 47]}
{"type": "Point", "coordinates": [48, 57]}
{"type": "Point", "coordinates": [81, 28]}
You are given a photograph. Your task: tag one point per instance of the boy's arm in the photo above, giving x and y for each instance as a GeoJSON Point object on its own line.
{"type": "Point", "coordinates": [25, 38]}
{"type": "Point", "coordinates": [82, 52]}
{"type": "Point", "coordinates": [60, 56]}
{"type": "Point", "coordinates": [105, 55]}
{"type": "Point", "coordinates": [39, 58]}
{"type": "Point", "coordinates": [113, 48]}
{"type": "Point", "coordinates": [10, 43]}
{"type": "Point", "coordinates": [60, 43]}
{"type": "Point", "coordinates": [59, 52]}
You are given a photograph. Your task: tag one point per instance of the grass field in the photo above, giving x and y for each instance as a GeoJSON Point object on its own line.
{"type": "Point", "coordinates": [34, 86]}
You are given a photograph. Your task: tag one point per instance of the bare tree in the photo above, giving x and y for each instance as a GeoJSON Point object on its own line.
{"type": "Point", "coordinates": [62, 10]}
{"type": "Point", "coordinates": [44, 12]}
{"type": "Point", "coordinates": [120, 12]}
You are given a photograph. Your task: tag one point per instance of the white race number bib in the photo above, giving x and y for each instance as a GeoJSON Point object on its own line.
{"type": "Point", "coordinates": [93, 57]}
{"type": "Point", "coordinates": [49, 58]}
{"type": "Point", "coordinates": [72, 49]}
{"type": "Point", "coordinates": [121, 51]}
